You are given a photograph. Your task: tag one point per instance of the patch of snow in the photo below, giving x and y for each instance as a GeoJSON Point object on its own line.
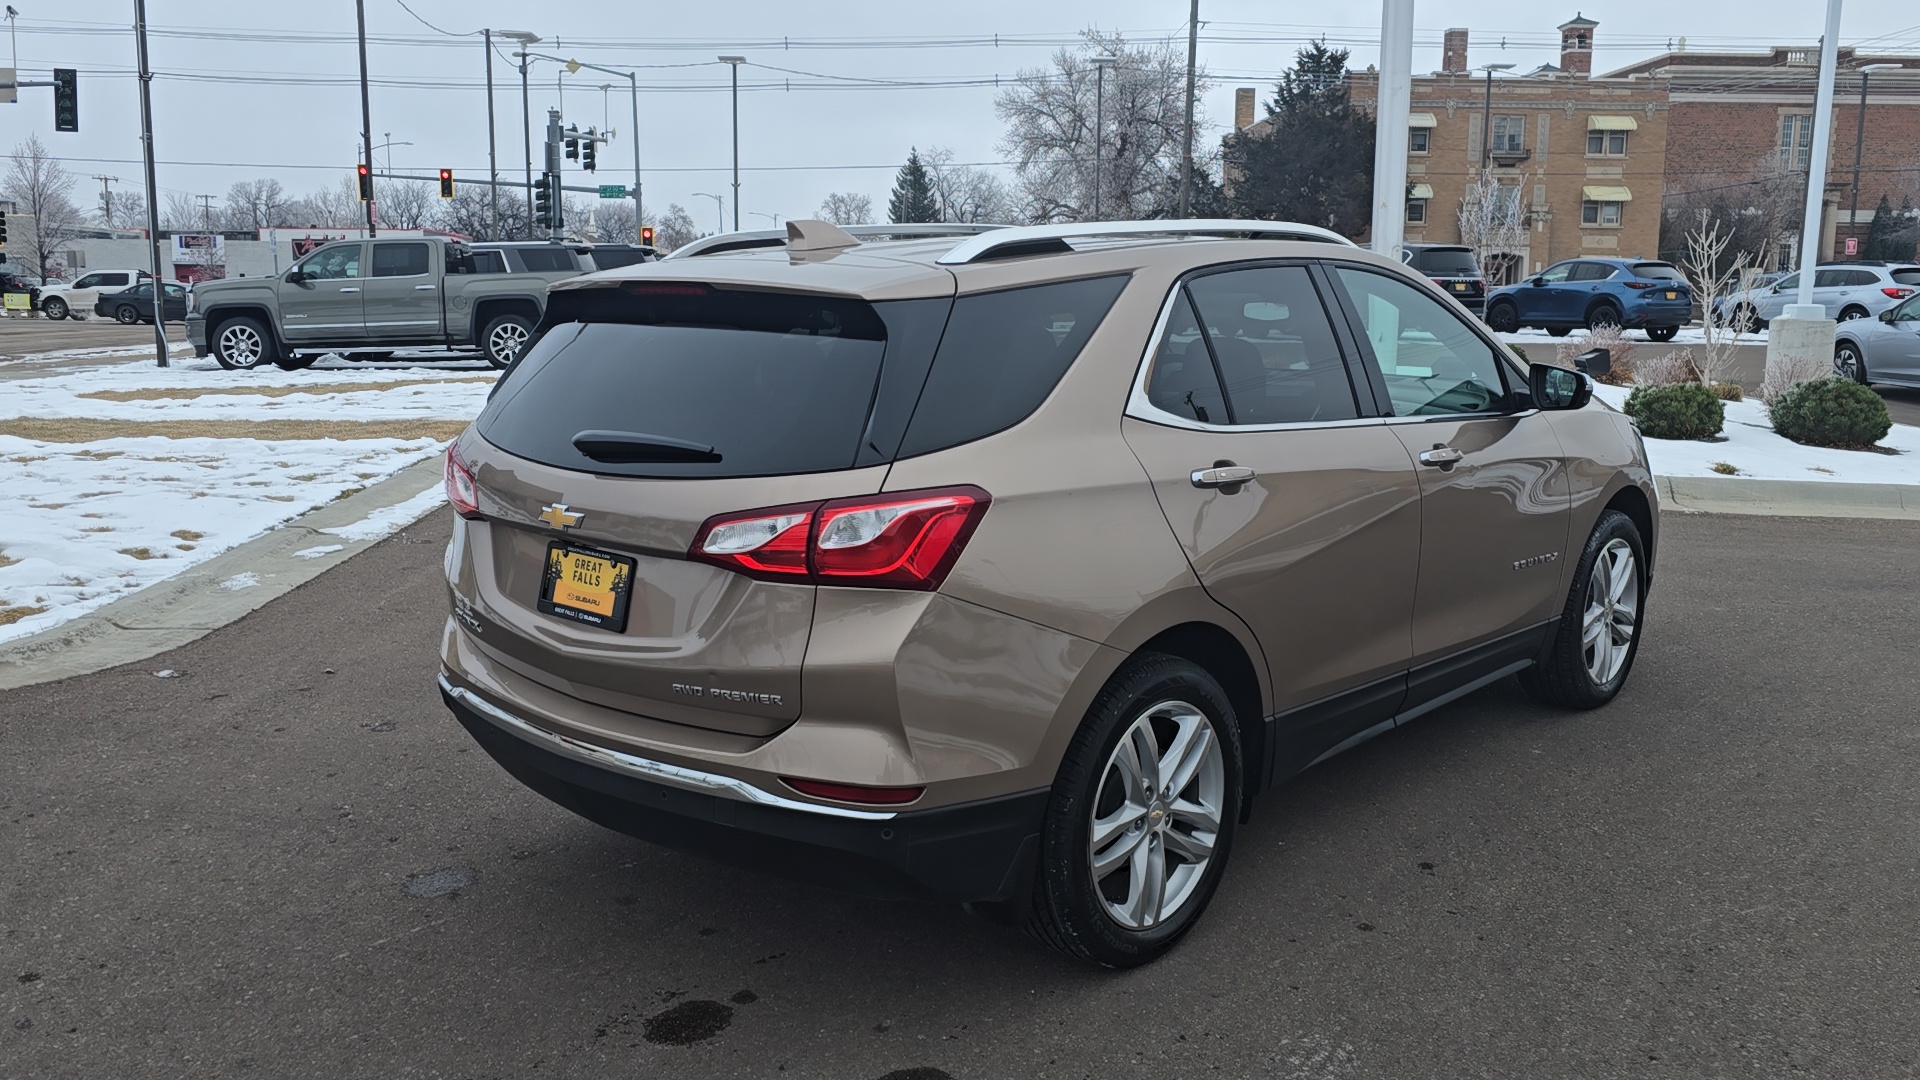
{"type": "Point", "coordinates": [1752, 447]}
{"type": "Point", "coordinates": [241, 581]}
{"type": "Point", "coordinates": [391, 519]}
{"type": "Point", "coordinates": [1688, 335]}
{"type": "Point", "coordinates": [316, 552]}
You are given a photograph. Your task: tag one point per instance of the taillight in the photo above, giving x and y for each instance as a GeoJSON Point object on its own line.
{"type": "Point", "coordinates": [855, 793]}
{"type": "Point", "coordinates": [1641, 284]}
{"type": "Point", "coordinates": [464, 497]}
{"type": "Point", "coordinates": [908, 540]}
{"type": "Point", "coordinates": [1897, 294]}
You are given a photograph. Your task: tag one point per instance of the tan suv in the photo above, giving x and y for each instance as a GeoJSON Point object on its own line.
{"type": "Point", "coordinates": [1008, 568]}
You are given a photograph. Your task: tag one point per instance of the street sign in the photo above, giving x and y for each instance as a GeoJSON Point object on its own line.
{"type": "Point", "coordinates": [1853, 245]}
{"type": "Point", "coordinates": [613, 191]}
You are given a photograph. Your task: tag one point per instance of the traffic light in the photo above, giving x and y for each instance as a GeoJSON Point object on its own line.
{"type": "Point", "coordinates": [446, 183]}
{"type": "Point", "coordinates": [586, 154]}
{"type": "Point", "coordinates": [3, 228]}
{"type": "Point", "coordinates": [573, 144]}
{"type": "Point", "coordinates": [544, 212]}
{"type": "Point", "coordinates": [366, 181]}
{"type": "Point", "coordinates": [646, 235]}
{"type": "Point", "coordinates": [66, 99]}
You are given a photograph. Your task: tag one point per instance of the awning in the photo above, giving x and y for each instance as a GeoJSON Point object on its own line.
{"type": "Point", "coordinates": [1420, 191]}
{"type": "Point", "coordinates": [1612, 123]}
{"type": "Point", "coordinates": [1422, 119]}
{"type": "Point", "coordinates": [1606, 194]}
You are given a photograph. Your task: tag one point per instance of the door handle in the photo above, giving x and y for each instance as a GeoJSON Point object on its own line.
{"type": "Point", "coordinates": [1442, 457]}
{"type": "Point", "coordinates": [423, 288]}
{"type": "Point", "coordinates": [1224, 475]}
{"type": "Point", "coordinates": [350, 288]}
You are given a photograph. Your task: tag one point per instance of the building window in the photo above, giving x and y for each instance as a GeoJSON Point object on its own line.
{"type": "Point", "coordinates": [1416, 211]}
{"type": "Point", "coordinates": [1603, 214]}
{"type": "Point", "coordinates": [1417, 140]}
{"type": "Point", "coordinates": [1796, 140]}
{"type": "Point", "coordinates": [1509, 135]}
{"type": "Point", "coordinates": [1606, 144]}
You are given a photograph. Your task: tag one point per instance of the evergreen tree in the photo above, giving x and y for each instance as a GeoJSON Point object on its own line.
{"type": "Point", "coordinates": [913, 198]}
{"type": "Point", "coordinates": [1313, 162]}
{"type": "Point", "coordinates": [1880, 233]}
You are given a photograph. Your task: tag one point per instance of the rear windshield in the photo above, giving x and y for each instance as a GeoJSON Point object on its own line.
{"type": "Point", "coordinates": [774, 383]}
{"type": "Point", "coordinates": [1907, 275]}
{"type": "Point", "coordinates": [612, 258]}
{"type": "Point", "coordinates": [1446, 262]}
{"type": "Point", "coordinates": [539, 260]}
{"type": "Point", "coordinates": [1657, 272]}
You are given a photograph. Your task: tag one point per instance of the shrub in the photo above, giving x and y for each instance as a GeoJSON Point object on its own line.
{"type": "Point", "coordinates": [1831, 412]}
{"type": "Point", "coordinates": [1684, 410]}
{"type": "Point", "coordinates": [1727, 391]}
{"type": "Point", "coordinates": [1674, 367]}
{"type": "Point", "coordinates": [1790, 371]}
{"type": "Point", "coordinates": [1520, 352]}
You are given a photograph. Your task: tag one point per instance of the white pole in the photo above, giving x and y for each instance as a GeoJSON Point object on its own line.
{"type": "Point", "coordinates": [1390, 131]}
{"type": "Point", "coordinates": [1817, 167]}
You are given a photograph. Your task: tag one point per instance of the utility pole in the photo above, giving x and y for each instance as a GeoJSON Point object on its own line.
{"type": "Point", "coordinates": [734, 62]}
{"type": "Point", "coordinates": [106, 194]}
{"type": "Point", "coordinates": [206, 213]}
{"type": "Point", "coordinates": [366, 105]}
{"type": "Point", "coordinates": [153, 188]}
{"type": "Point", "coordinates": [556, 229]}
{"type": "Point", "coordinates": [493, 160]}
{"type": "Point", "coordinates": [1186, 154]}
{"type": "Point", "coordinates": [1859, 144]}
{"type": "Point", "coordinates": [1099, 123]}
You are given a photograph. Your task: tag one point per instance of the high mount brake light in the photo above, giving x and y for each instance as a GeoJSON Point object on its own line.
{"type": "Point", "coordinates": [666, 288]}
{"type": "Point", "coordinates": [906, 540]}
{"type": "Point", "coordinates": [461, 492]}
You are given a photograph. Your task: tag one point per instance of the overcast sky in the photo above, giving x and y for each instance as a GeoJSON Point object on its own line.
{"type": "Point", "coordinates": [229, 105]}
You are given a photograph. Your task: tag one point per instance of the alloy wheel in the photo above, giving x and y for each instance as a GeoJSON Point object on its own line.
{"type": "Point", "coordinates": [1613, 612]}
{"type": "Point", "coordinates": [1157, 815]}
{"type": "Point", "coordinates": [1846, 358]}
{"type": "Point", "coordinates": [505, 342]}
{"type": "Point", "coordinates": [241, 346]}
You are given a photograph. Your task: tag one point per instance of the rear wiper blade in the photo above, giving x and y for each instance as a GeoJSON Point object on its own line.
{"type": "Point", "coordinates": [629, 447]}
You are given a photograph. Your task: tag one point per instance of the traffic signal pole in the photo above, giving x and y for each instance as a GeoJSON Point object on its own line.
{"type": "Point", "coordinates": [366, 106]}
{"type": "Point", "coordinates": [153, 190]}
{"type": "Point", "coordinates": [556, 223]}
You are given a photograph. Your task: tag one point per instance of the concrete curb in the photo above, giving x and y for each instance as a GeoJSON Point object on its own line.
{"type": "Point", "coordinates": [193, 603]}
{"type": "Point", "coordinates": [1788, 498]}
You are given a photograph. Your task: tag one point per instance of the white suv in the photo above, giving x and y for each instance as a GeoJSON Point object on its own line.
{"type": "Point", "coordinates": [1845, 290]}
{"type": "Point", "coordinates": [73, 300]}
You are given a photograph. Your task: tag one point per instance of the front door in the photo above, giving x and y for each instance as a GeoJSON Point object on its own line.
{"type": "Point", "coordinates": [1539, 302]}
{"type": "Point", "coordinates": [1495, 501]}
{"type": "Point", "coordinates": [1893, 348]}
{"type": "Point", "coordinates": [402, 299]}
{"type": "Point", "coordinates": [1772, 302]}
{"type": "Point", "coordinates": [324, 304]}
{"type": "Point", "coordinates": [1298, 514]}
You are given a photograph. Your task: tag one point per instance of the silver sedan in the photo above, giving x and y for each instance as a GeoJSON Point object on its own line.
{"type": "Point", "coordinates": [1885, 349]}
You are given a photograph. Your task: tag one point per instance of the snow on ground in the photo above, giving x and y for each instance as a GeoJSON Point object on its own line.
{"type": "Point", "coordinates": [174, 349]}
{"type": "Point", "coordinates": [388, 520]}
{"type": "Point", "coordinates": [85, 523]}
{"type": "Point", "coordinates": [1752, 447]}
{"type": "Point", "coordinates": [1688, 335]}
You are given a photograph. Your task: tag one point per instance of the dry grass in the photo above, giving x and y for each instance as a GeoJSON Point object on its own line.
{"type": "Point", "coordinates": [190, 392]}
{"type": "Point", "coordinates": [1725, 469]}
{"type": "Point", "coordinates": [141, 553]}
{"type": "Point", "coordinates": [1727, 391]}
{"type": "Point", "coordinates": [97, 529]}
{"type": "Point", "coordinates": [7, 560]}
{"type": "Point", "coordinates": [90, 430]}
{"type": "Point", "coordinates": [187, 534]}
{"type": "Point", "coordinates": [11, 615]}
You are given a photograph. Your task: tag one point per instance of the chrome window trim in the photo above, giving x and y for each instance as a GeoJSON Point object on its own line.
{"type": "Point", "coordinates": [645, 768]}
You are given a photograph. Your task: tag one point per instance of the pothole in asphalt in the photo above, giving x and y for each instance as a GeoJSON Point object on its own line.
{"type": "Point", "coordinates": [687, 1023]}
{"type": "Point", "coordinates": [438, 883]}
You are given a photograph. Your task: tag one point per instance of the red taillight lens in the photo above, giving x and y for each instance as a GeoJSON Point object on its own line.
{"type": "Point", "coordinates": [854, 793]}
{"type": "Point", "coordinates": [903, 541]}
{"type": "Point", "coordinates": [464, 497]}
{"type": "Point", "coordinates": [1641, 284]}
{"type": "Point", "coordinates": [1897, 294]}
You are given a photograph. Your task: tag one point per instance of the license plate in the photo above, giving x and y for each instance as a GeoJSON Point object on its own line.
{"type": "Point", "coordinates": [587, 586]}
{"type": "Point", "coordinates": [1673, 296]}
{"type": "Point", "coordinates": [1459, 286]}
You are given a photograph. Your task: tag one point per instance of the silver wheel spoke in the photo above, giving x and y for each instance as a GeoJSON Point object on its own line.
{"type": "Point", "coordinates": [1106, 828]}
{"type": "Point", "coordinates": [1162, 833]}
{"type": "Point", "coordinates": [1184, 758]}
{"type": "Point", "coordinates": [1194, 847]}
{"type": "Point", "coordinates": [1590, 629]}
{"type": "Point", "coordinates": [1146, 755]}
{"type": "Point", "coordinates": [1149, 869]}
{"type": "Point", "coordinates": [1106, 862]}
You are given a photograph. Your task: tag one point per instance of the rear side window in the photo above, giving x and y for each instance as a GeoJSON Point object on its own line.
{"type": "Point", "coordinates": [1003, 353]}
{"type": "Point", "coordinates": [1590, 271]}
{"type": "Point", "coordinates": [540, 260]}
{"type": "Point", "coordinates": [609, 258]}
{"type": "Point", "coordinates": [1273, 346]}
{"type": "Point", "coordinates": [1446, 262]}
{"type": "Point", "coordinates": [1182, 381]}
{"type": "Point", "coordinates": [399, 260]}
{"type": "Point", "coordinates": [485, 262]}
{"type": "Point", "coordinates": [773, 383]}
{"type": "Point", "coordinates": [1651, 271]}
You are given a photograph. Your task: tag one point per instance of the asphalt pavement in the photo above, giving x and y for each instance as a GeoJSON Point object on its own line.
{"type": "Point", "coordinates": [285, 860]}
{"type": "Point", "coordinates": [21, 336]}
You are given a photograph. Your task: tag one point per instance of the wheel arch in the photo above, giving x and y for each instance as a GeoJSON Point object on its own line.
{"type": "Point", "coordinates": [1634, 503]}
{"type": "Point", "coordinates": [1220, 653]}
{"type": "Point", "coordinates": [228, 312]}
{"type": "Point", "coordinates": [492, 307]}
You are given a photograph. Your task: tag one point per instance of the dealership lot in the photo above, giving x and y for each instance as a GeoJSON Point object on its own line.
{"type": "Point", "coordinates": [286, 859]}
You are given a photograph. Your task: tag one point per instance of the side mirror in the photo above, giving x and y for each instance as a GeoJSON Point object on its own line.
{"type": "Point", "coordinates": [1594, 363]}
{"type": "Point", "coordinates": [296, 275]}
{"type": "Point", "coordinates": [1887, 315]}
{"type": "Point", "coordinates": [1558, 388]}
{"type": "Point", "coordinates": [1536, 282]}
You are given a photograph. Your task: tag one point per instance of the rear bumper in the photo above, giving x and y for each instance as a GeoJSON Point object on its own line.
{"type": "Point", "coordinates": [1640, 315]}
{"type": "Point", "coordinates": [972, 852]}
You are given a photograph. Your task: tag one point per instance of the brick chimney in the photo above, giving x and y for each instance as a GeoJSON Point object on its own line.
{"type": "Point", "coordinates": [1453, 52]}
{"type": "Point", "coordinates": [1243, 108]}
{"type": "Point", "coordinates": [1576, 45]}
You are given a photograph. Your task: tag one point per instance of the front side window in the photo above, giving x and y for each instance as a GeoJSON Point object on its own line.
{"type": "Point", "coordinates": [1554, 275]}
{"type": "Point", "coordinates": [1606, 143]}
{"type": "Point", "coordinates": [1417, 140]}
{"type": "Point", "coordinates": [399, 260]}
{"type": "Point", "coordinates": [1509, 134]}
{"type": "Point", "coordinates": [1593, 212]}
{"type": "Point", "coordinates": [91, 281]}
{"type": "Point", "coordinates": [1432, 364]}
{"type": "Point", "coordinates": [1909, 311]}
{"type": "Point", "coordinates": [333, 263]}
{"type": "Point", "coordinates": [1270, 342]}
{"type": "Point", "coordinates": [176, 292]}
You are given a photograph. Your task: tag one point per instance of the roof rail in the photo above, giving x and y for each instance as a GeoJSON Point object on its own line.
{"type": "Point", "coordinates": [773, 238]}
{"type": "Point", "coordinates": [1041, 239]}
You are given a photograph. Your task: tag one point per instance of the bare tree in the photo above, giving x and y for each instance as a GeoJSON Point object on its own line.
{"type": "Point", "coordinates": [613, 222]}
{"type": "Point", "coordinates": [1493, 221]}
{"type": "Point", "coordinates": [253, 205]}
{"type": "Point", "coordinates": [407, 204]}
{"type": "Point", "coordinates": [967, 193]}
{"type": "Point", "coordinates": [470, 213]}
{"type": "Point", "coordinates": [676, 229]}
{"type": "Point", "coordinates": [39, 187]}
{"type": "Point", "coordinates": [122, 209]}
{"type": "Point", "coordinates": [846, 208]}
{"type": "Point", "coordinates": [334, 207]}
{"type": "Point", "coordinates": [1714, 276]}
{"type": "Point", "coordinates": [1050, 115]}
{"type": "Point", "coordinates": [180, 213]}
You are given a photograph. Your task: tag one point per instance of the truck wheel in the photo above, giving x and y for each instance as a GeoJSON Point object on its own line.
{"type": "Point", "coordinates": [504, 337]}
{"type": "Point", "coordinates": [242, 343]}
{"type": "Point", "coordinates": [55, 308]}
{"type": "Point", "coordinates": [295, 361]}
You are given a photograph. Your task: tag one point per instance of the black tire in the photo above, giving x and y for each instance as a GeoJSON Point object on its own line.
{"type": "Point", "coordinates": [1069, 905]}
{"type": "Point", "coordinates": [295, 361]}
{"type": "Point", "coordinates": [1662, 333]}
{"type": "Point", "coordinates": [1852, 312]}
{"type": "Point", "coordinates": [55, 308]}
{"type": "Point", "coordinates": [1600, 315]}
{"type": "Point", "coordinates": [241, 344]}
{"type": "Point", "coordinates": [1850, 362]}
{"type": "Point", "coordinates": [1503, 317]}
{"type": "Point", "coordinates": [1566, 676]}
{"type": "Point", "coordinates": [126, 314]}
{"type": "Point", "coordinates": [504, 337]}
{"type": "Point", "coordinates": [1559, 331]}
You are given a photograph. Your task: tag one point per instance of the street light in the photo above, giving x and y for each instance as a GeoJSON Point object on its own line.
{"type": "Point", "coordinates": [719, 209]}
{"type": "Point", "coordinates": [526, 114]}
{"type": "Point", "coordinates": [1099, 122]}
{"type": "Point", "coordinates": [1486, 114]}
{"type": "Point", "coordinates": [493, 156]}
{"type": "Point", "coordinates": [1859, 140]}
{"type": "Point", "coordinates": [633, 85]}
{"type": "Point", "coordinates": [387, 146]}
{"type": "Point", "coordinates": [774, 218]}
{"type": "Point", "coordinates": [734, 62]}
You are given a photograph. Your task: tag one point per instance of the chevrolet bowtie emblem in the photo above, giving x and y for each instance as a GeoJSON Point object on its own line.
{"type": "Point", "coordinates": [559, 516]}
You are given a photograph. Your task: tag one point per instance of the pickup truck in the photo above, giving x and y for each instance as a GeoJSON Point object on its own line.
{"type": "Point", "coordinates": [365, 299]}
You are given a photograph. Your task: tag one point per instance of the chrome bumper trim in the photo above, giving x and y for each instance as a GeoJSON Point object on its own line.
{"type": "Point", "coordinates": [657, 771]}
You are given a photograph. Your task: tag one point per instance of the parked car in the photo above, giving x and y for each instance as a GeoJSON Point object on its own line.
{"type": "Point", "coordinates": [135, 305]}
{"type": "Point", "coordinates": [366, 298]}
{"type": "Point", "coordinates": [1453, 268]}
{"type": "Point", "coordinates": [1846, 291]}
{"type": "Point", "coordinates": [74, 299]}
{"type": "Point", "coordinates": [1883, 349]}
{"type": "Point", "coordinates": [1006, 569]}
{"type": "Point", "coordinates": [1640, 294]}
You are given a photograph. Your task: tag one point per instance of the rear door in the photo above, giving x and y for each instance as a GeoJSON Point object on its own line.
{"type": "Point", "coordinates": [1495, 500]}
{"type": "Point", "coordinates": [401, 300]}
{"type": "Point", "coordinates": [1893, 347]}
{"type": "Point", "coordinates": [1298, 513]}
{"type": "Point", "coordinates": [325, 304]}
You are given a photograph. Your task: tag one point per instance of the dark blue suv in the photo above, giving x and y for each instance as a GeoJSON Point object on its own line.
{"type": "Point", "coordinates": [1629, 293]}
